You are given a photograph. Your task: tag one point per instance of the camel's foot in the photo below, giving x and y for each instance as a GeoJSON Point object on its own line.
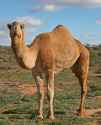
{"type": "Point", "coordinates": [51, 117]}
{"type": "Point", "coordinates": [82, 113]}
{"type": "Point", "coordinates": [40, 116]}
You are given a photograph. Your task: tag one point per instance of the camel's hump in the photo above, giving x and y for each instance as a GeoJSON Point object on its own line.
{"type": "Point", "coordinates": [61, 28]}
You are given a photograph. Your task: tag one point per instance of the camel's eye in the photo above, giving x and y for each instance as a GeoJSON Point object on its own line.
{"type": "Point", "coordinates": [22, 26]}
{"type": "Point", "coordinates": [9, 26]}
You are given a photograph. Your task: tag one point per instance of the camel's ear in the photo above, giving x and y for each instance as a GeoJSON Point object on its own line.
{"type": "Point", "coordinates": [9, 26]}
{"type": "Point", "coordinates": [22, 26]}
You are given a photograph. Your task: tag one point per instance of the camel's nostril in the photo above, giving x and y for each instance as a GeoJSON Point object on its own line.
{"type": "Point", "coordinates": [15, 28]}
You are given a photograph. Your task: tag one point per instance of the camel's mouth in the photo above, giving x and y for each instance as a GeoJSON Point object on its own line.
{"type": "Point", "coordinates": [15, 34]}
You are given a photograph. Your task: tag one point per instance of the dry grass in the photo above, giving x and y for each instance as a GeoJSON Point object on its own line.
{"type": "Point", "coordinates": [18, 97]}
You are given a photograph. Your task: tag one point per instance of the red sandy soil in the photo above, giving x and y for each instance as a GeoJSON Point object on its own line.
{"type": "Point", "coordinates": [30, 90]}
{"type": "Point", "coordinates": [90, 112]}
{"type": "Point", "coordinates": [27, 89]}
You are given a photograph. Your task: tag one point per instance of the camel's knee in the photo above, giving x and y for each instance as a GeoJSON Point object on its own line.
{"type": "Point", "coordinates": [50, 92]}
{"type": "Point", "coordinates": [50, 84]}
{"type": "Point", "coordinates": [40, 86]}
{"type": "Point", "coordinates": [50, 87]}
{"type": "Point", "coordinates": [84, 91]}
{"type": "Point", "coordinates": [41, 95]}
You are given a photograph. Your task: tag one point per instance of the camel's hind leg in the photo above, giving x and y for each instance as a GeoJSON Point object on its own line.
{"type": "Point", "coordinates": [80, 68]}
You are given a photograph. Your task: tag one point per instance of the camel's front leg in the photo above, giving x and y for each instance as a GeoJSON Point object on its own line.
{"type": "Point", "coordinates": [50, 93]}
{"type": "Point", "coordinates": [40, 87]}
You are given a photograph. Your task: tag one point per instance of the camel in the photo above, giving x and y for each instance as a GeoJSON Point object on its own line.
{"type": "Point", "coordinates": [47, 55]}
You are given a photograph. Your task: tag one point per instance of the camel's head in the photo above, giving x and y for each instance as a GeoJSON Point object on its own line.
{"type": "Point", "coordinates": [16, 30]}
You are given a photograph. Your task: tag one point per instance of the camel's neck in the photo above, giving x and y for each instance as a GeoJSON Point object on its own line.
{"type": "Point", "coordinates": [18, 47]}
{"type": "Point", "coordinates": [26, 56]}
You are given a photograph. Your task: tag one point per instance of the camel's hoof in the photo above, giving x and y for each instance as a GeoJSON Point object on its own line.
{"type": "Point", "coordinates": [80, 113]}
{"type": "Point", "coordinates": [40, 117]}
{"type": "Point", "coordinates": [51, 117]}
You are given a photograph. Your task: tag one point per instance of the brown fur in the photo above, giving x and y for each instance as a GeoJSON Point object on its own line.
{"type": "Point", "coordinates": [49, 54]}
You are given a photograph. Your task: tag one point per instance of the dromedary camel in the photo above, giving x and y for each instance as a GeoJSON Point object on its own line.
{"type": "Point", "coordinates": [49, 54]}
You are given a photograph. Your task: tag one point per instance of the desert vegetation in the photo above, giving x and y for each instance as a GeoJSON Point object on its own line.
{"type": "Point", "coordinates": [18, 98]}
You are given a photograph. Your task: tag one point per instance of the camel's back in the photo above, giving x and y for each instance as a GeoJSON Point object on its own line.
{"type": "Point", "coordinates": [66, 49]}
{"type": "Point", "coordinates": [61, 37]}
{"type": "Point", "coordinates": [59, 46]}
{"type": "Point", "coordinates": [61, 30]}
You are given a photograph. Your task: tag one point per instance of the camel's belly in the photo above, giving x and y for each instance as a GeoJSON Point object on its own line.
{"type": "Point", "coordinates": [60, 66]}
{"type": "Point", "coordinates": [65, 61]}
